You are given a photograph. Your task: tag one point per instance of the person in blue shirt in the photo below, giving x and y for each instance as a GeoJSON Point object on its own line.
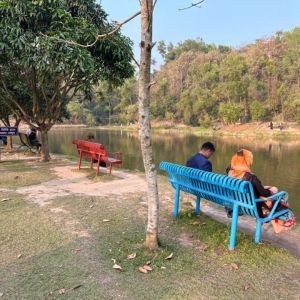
{"type": "Point", "coordinates": [200, 160]}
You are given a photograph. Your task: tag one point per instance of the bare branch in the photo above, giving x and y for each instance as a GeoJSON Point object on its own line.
{"type": "Point", "coordinates": [154, 3]}
{"type": "Point", "coordinates": [153, 44]}
{"type": "Point", "coordinates": [136, 62]}
{"type": "Point", "coordinates": [151, 83]}
{"type": "Point", "coordinates": [197, 4]}
{"type": "Point", "coordinates": [99, 37]}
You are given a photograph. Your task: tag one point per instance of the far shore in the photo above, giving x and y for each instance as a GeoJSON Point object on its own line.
{"type": "Point", "coordinates": [239, 130]}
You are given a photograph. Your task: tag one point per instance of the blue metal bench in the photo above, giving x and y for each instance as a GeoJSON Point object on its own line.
{"type": "Point", "coordinates": [229, 192]}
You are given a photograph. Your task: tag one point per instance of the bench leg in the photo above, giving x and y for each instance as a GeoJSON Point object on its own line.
{"type": "Point", "coordinates": [258, 231]}
{"type": "Point", "coordinates": [176, 204]}
{"type": "Point", "coordinates": [80, 159]}
{"type": "Point", "coordinates": [234, 224]}
{"type": "Point", "coordinates": [197, 210]}
{"type": "Point", "coordinates": [98, 166]}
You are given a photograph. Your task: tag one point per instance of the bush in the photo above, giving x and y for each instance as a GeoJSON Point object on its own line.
{"type": "Point", "coordinates": [230, 112]}
{"type": "Point", "coordinates": [257, 111]}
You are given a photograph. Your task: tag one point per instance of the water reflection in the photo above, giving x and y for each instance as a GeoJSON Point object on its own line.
{"type": "Point", "coordinates": [276, 162]}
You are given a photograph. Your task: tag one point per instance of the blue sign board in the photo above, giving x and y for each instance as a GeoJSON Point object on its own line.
{"type": "Point", "coordinates": [5, 131]}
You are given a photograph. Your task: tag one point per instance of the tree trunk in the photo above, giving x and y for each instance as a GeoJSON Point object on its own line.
{"type": "Point", "coordinates": [9, 145]}
{"type": "Point", "coordinates": [144, 123]}
{"type": "Point", "coordinates": [45, 155]}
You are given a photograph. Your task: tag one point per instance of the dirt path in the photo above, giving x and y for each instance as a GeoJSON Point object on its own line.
{"type": "Point", "coordinates": [72, 182]}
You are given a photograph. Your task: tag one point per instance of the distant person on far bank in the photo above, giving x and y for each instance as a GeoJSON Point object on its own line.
{"type": "Point", "coordinates": [201, 159]}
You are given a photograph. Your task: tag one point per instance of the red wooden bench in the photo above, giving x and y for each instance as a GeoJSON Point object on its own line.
{"type": "Point", "coordinates": [96, 151]}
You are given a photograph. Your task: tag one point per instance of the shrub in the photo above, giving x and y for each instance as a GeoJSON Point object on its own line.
{"type": "Point", "coordinates": [230, 112]}
{"type": "Point", "coordinates": [257, 111]}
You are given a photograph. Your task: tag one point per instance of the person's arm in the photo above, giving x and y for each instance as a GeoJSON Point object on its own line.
{"type": "Point", "coordinates": [207, 167]}
{"type": "Point", "coordinates": [260, 188]}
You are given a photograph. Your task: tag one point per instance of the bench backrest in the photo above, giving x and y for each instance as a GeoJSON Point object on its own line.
{"type": "Point", "coordinates": [214, 187]}
{"type": "Point", "coordinates": [25, 140]}
{"type": "Point", "coordinates": [90, 149]}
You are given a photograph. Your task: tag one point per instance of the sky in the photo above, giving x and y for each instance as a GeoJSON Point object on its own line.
{"type": "Point", "coordinates": [228, 22]}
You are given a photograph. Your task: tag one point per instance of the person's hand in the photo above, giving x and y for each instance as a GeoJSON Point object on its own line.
{"type": "Point", "coordinates": [273, 190]}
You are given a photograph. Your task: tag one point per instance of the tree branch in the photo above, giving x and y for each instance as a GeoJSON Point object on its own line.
{"type": "Point", "coordinates": [197, 4]}
{"type": "Point", "coordinates": [100, 36]}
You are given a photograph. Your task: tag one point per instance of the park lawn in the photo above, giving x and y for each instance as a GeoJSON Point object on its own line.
{"type": "Point", "coordinates": [67, 249]}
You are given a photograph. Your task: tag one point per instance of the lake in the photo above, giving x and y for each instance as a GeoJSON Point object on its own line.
{"type": "Point", "coordinates": [276, 162]}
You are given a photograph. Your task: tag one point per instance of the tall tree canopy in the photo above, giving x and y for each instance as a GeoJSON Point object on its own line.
{"type": "Point", "coordinates": [36, 59]}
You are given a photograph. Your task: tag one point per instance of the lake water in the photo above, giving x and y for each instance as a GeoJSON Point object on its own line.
{"type": "Point", "coordinates": [276, 162]}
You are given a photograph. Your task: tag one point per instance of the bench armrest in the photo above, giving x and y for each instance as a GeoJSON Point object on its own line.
{"type": "Point", "coordinates": [116, 155]}
{"type": "Point", "coordinates": [282, 196]}
{"type": "Point", "coordinates": [276, 198]}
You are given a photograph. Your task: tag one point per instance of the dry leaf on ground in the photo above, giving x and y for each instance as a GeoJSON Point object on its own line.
{"type": "Point", "coordinates": [114, 260]}
{"type": "Point", "coordinates": [148, 268]}
{"type": "Point", "coordinates": [234, 266]}
{"type": "Point", "coordinates": [118, 267]}
{"type": "Point", "coordinates": [169, 256]}
{"type": "Point", "coordinates": [61, 291]}
{"type": "Point", "coordinates": [105, 220]}
{"type": "Point", "coordinates": [142, 270]}
{"type": "Point", "coordinates": [131, 256]}
{"type": "Point", "coordinates": [19, 256]}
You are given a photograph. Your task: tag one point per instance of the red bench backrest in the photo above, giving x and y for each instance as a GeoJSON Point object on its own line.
{"type": "Point", "coordinates": [90, 148]}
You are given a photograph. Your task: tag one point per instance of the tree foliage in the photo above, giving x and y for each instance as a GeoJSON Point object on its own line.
{"type": "Point", "coordinates": [35, 58]}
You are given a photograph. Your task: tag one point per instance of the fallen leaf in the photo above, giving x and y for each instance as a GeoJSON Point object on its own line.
{"type": "Point", "coordinates": [142, 270]}
{"type": "Point", "coordinates": [163, 268]}
{"type": "Point", "coordinates": [91, 206]}
{"type": "Point", "coordinates": [169, 256]}
{"type": "Point", "coordinates": [114, 260]}
{"type": "Point", "coordinates": [105, 220]}
{"type": "Point", "coordinates": [77, 250]}
{"type": "Point", "coordinates": [19, 256]}
{"type": "Point", "coordinates": [1, 294]}
{"type": "Point", "coordinates": [203, 223]}
{"type": "Point", "coordinates": [5, 199]}
{"type": "Point", "coordinates": [131, 256]}
{"type": "Point", "coordinates": [195, 223]}
{"type": "Point", "coordinates": [148, 262]}
{"type": "Point", "coordinates": [118, 268]}
{"type": "Point", "coordinates": [147, 267]}
{"type": "Point", "coordinates": [61, 291]}
{"type": "Point", "coordinates": [234, 266]}
{"type": "Point", "coordinates": [246, 287]}
{"type": "Point", "coordinates": [76, 286]}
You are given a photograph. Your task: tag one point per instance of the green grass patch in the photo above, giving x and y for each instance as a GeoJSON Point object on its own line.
{"type": "Point", "coordinates": [22, 173]}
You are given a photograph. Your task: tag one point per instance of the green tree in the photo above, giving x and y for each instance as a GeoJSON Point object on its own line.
{"type": "Point", "coordinates": [49, 70]}
{"type": "Point", "coordinates": [230, 112]}
{"type": "Point", "coordinates": [257, 111]}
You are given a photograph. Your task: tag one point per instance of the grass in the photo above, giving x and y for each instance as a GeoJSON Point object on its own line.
{"type": "Point", "coordinates": [40, 255]}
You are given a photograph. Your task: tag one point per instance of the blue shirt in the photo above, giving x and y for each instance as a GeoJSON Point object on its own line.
{"type": "Point", "coordinates": [199, 161]}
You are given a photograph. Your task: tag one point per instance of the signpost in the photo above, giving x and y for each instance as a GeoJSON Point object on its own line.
{"type": "Point", "coordinates": [7, 131]}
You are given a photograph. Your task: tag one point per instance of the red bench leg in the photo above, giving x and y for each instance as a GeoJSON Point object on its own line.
{"type": "Point", "coordinates": [98, 165]}
{"type": "Point", "coordinates": [80, 159]}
